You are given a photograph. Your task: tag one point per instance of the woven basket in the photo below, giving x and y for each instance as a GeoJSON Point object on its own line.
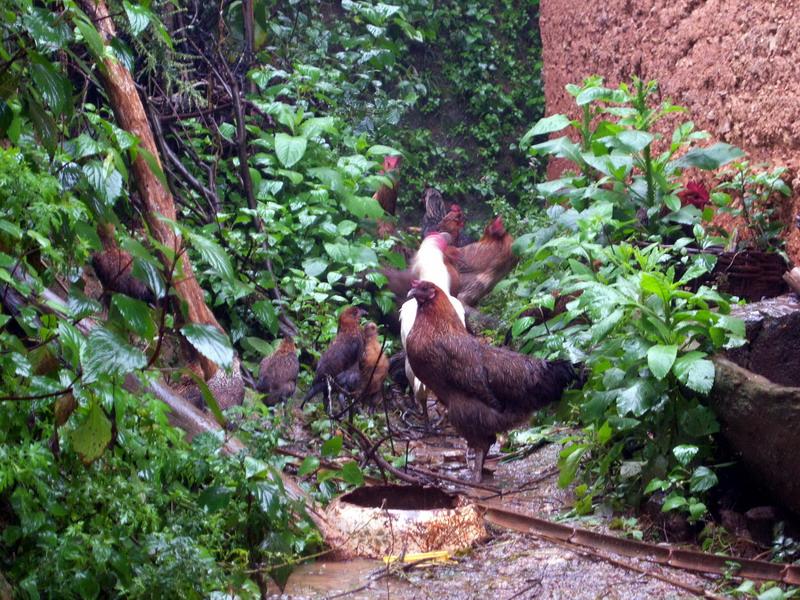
{"type": "Point", "coordinates": [749, 274]}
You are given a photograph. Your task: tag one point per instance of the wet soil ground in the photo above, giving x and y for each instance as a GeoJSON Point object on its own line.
{"type": "Point", "coordinates": [509, 564]}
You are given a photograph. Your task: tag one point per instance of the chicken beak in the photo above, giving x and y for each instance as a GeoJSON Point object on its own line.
{"type": "Point", "coordinates": [411, 294]}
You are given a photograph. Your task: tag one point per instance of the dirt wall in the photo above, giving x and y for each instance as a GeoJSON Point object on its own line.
{"type": "Point", "coordinates": [735, 64]}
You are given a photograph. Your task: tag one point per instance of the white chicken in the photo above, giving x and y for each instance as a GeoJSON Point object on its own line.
{"type": "Point", "coordinates": [428, 264]}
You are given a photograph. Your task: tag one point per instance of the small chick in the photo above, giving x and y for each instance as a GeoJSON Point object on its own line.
{"type": "Point", "coordinates": [374, 367]}
{"type": "Point", "coordinates": [277, 374]}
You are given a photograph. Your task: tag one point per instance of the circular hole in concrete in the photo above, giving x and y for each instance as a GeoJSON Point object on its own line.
{"type": "Point", "coordinates": [401, 497]}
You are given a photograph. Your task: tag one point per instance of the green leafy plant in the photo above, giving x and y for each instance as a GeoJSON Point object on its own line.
{"type": "Point", "coordinates": [620, 159]}
{"type": "Point", "coordinates": [750, 196]}
{"type": "Point", "coordinates": [646, 341]}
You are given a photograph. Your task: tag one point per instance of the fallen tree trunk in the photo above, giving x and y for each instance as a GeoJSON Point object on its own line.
{"type": "Point", "coordinates": [157, 199]}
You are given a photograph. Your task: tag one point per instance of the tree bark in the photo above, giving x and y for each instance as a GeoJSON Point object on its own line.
{"type": "Point", "coordinates": [158, 201]}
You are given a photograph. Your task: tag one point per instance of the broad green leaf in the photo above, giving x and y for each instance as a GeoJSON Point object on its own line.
{"type": "Point", "coordinates": [660, 359]}
{"type": "Point", "coordinates": [71, 341]}
{"type": "Point", "coordinates": [311, 128]}
{"type": "Point", "coordinates": [255, 468]}
{"type": "Point", "coordinates": [289, 149]}
{"type": "Point", "coordinates": [656, 484]}
{"type": "Point", "coordinates": [266, 493]}
{"type": "Point", "coordinates": [91, 437]}
{"type": "Point", "coordinates": [265, 312]}
{"type": "Point", "coordinates": [136, 315]}
{"type": "Point", "coordinates": [210, 342]}
{"type": "Point", "coordinates": [258, 345]}
{"type": "Point", "coordinates": [636, 399]}
{"type": "Point", "coordinates": [601, 328]}
{"type": "Point", "coordinates": [104, 179]}
{"type": "Point", "coordinates": [710, 158]}
{"type": "Point", "coordinates": [600, 93]}
{"type": "Point", "coordinates": [672, 202]}
{"type": "Point", "coordinates": [90, 36]}
{"type": "Point", "coordinates": [734, 325]}
{"type": "Point", "coordinates": [773, 593]}
{"type": "Point", "coordinates": [332, 447]}
{"type": "Point", "coordinates": [138, 16]}
{"type": "Point", "coordinates": [568, 462]}
{"type": "Point", "coordinates": [314, 267]}
{"type": "Point", "coordinates": [227, 131]}
{"type": "Point", "coordinates": [655, 285]}
{"type": "Point", "coordinates": [80, 305]}
{"type": "Point", "coordinates": [308, 466]}
{"type": "Point", "coordinates": [214, 255]}
{"type": "Point", "coordinates": [562, 147]}
{"type": "Point", "coordinates": [672, 502]}
{"type": "Point", "coordinates": [346, 227]}
{"type": "Point", "coordinates": [107, 353]}
{"type": "Point", "coordinates": [49, 33]}
{"type": "Point", "coordinates": [352, 474]}
{"type": "Point", "coordinates": [215, 497]}
{"type": "Point", "coordinates": [10, 229]}
{"type": "Point", "coordinates": [521, 325]}
{"type": "Point", "coordinates": [696, 510]}
{"type": "Point", "coordinates": [146, 271]}
{"type": "Point", "coordinates": [363, 207]}
{"type": "Point", "coordinates": [379, 150]}
{"type": "Point", "coordinates": [631, 140]}
{"type": "Point", "coordinates": [545, 125]}
{"type": "Point", "coordinates": [695, 372]}
{"type": "Point", "coordinates": [685, 453]}
{"type": "Point", "coordinates": [54, 87]}
{"type": "Point", "coordinates": [702, 479]}
{"type": "Point", "coordinates": [330, 178]}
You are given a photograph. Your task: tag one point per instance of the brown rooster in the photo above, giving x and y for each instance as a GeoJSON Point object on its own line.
{"type": "Point", "coordinates": [486, 389]}
{"type": "Point", "coordinates": [339, 366]}
{"type": "Point", "coordinates": [114, 267]}
{"type": "Point", "coordinates": [482, 264]}
{"type": "Point", "coordinates": [387, 196]}
{"type": "Point", "coordinates": [374, 367]}
{"type": "Point", "coordinates": [277, 374]}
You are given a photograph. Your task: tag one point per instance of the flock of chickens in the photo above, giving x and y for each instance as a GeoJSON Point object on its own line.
{"type": "Point", "coordinates": [486, 389]}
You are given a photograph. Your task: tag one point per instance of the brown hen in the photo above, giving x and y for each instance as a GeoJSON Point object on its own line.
{"type": "Point", "coordinates": [339, 366]}
{"type": "Point", "coordinates": [374, 367]}
{"type": "Point", "coordinates": [277, 374]}
{"type": "Point", "coordinates": [484, 263]}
